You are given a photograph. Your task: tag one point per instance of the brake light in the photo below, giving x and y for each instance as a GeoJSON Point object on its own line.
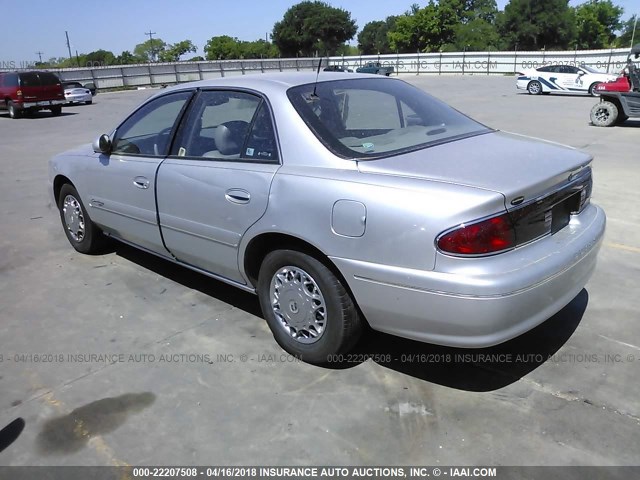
{"type": "Point", "coordinates": [19, 93]}
{"type": "Point", "coordinates": [488, 236]}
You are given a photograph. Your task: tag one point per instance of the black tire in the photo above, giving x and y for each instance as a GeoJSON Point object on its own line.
{"type": "Point", "coordinates": [604, 114]}
{"type": "Point", "coordinates": [56, 110]}
{"type": "Point", "coordinates": [592, 88]}
{"type": "Point", "coordinates": [89, 102]}
{"type": "Point", "coordinates": [341, 323]}
{"type": "Point", "coordinates": [14, 112]}
{"type": "Point", "coordinates": [534, 87]}
{"type": "Point", "coordinates": [91, 240]}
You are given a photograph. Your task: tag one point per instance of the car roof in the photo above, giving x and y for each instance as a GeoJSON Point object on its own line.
{"type": "Point", "coordinates": [273, 81]}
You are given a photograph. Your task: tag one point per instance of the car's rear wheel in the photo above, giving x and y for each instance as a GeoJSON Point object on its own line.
{"type": "Point", "coordinates": [534, 87]}
{"type": "Point", "coordinates": [56, 110]}
{"type": "Point", "coordinates": [308, 309]}
{"type": "Point", "coordinates": [604, 114]}
{"type": "Point", "coordinates": [592, 89]}
{"type": "Point", "coordinates": [14, 112]}
{"type": "Point", "coordinates": [82, 233]}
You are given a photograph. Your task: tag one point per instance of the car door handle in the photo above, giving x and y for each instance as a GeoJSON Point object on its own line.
{"type": "Point", "coordinates": [237, 195]}
{"type": "Point", "coordinates": [141, 182]}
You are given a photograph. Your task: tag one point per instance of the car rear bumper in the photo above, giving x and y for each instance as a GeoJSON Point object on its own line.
{"type": "Point", "coordinates": [40, 104]}
{"type": "Point", "coordinates": [485, 302]}
{"type": "Point", "coordinates": [79, 98]}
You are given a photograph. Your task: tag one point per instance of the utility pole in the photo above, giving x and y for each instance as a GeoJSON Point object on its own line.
{"type": "Point", "coordinates": [39, 55]}
{"type": "Point", "coordinates": [153, 50]}
{"type": "Point", "coordinates": [68, 45]}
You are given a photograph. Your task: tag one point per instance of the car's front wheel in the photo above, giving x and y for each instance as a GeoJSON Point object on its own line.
{"type": "Point", "coordinates": [308, 309]}
{"type": "Point", "coordinates": [534, 87]}
{"type": "Point", "coordinates": [82, 233]}
{"type": "Point", "coordinates": [88, 102]}
{"type": "Point", "coordinates": [604, 114]}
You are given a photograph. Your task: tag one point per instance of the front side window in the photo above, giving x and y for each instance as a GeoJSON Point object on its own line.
{"type": "Point", "coordinates": [227, 125]}
{"type": "Point", "coordinates": [148, 130]}
{"type": "Point", "coordinates": [371, 118]}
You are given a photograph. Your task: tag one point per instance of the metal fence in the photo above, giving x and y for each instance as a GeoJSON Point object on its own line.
{"type": "Point", "coordinates": [464, 63]}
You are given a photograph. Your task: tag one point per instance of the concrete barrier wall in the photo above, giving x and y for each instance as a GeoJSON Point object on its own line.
{"type": "Point", "coordinates": [461, 63]}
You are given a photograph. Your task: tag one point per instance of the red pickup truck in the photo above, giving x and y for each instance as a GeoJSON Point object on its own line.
{"type": "Point", "coordinates": [30, 91]}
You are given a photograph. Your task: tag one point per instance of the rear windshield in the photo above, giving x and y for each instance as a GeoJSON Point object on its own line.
{"type": "Point", "coordinates": [29, 79]}
{"type": "Point", "coordinates": [371, 118]}
{"type": "Point", "coordinates": [47, 78]}
{"type": "Point", "coordinates": [37, 79]}
{"type": "Point", "coordinates": [72, 85]}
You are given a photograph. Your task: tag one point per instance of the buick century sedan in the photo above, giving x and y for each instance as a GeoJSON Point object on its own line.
{"type": "Point", "coordinates": [342, 202]}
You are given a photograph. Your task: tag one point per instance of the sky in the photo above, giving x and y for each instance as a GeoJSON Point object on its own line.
{"type": "Point", "coordinates": [119, 25]}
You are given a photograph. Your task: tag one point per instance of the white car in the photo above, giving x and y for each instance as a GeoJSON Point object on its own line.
{"type": "Point", "coordinates": [561, 79]}
{"type": "Point", "coordinates": [74, 92]}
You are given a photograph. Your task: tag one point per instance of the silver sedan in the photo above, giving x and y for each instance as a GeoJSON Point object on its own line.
{"type": "Point", "coordinates": [74, 92]}
{"type": "Point", "coordinates": [342, 201]}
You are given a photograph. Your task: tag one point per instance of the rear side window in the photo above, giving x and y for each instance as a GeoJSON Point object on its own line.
{"type": "Point", "coordinates": [9, 80]}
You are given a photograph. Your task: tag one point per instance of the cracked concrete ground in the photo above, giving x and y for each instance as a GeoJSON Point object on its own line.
{"type": "Point", "coordinates": [143, 362]}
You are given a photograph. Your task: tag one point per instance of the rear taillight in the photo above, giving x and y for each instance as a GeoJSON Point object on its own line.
{"type": "Point", "coordinates": [19, 93]}
{"type": "Point", "coordinates": [488, 236]}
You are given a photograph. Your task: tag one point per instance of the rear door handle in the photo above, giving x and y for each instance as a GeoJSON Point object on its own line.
{"type": "Point", "coordinates": [141, 182]}
{"type": "Point", "coordinates": [237, 195]}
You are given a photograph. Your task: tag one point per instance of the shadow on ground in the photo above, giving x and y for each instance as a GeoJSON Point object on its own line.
{"type": "Point", "coordinates": [477, 370]}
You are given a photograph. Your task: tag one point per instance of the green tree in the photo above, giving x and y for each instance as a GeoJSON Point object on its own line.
{"type": "Point", "coordinates": [627, 33]}
{"type": "Point", "coordinates": [222, 47]}
{"type": "Point", "coordinates": [313, 26]}
{"type": "Point", "coordinates": [127, 58]}
{"type": "Point", "coordinates": [172, 53]}
{"type": "Point", "coordinates": [597, 21]}
{"type": "Point", "coordinates": [150, 50]}
{"type": "Point", "coordinates": [258, 49]}
{"type": "Point", "coordinates": [537, 24]}
{"type": "Point", "coordinates": [475, 35]}
{"type": "Point", "coordinates": [99, 57]}
{"type": "Point", "coordinates": [428, 28]}
{"type": "Point", "coordinates": [374, 36]}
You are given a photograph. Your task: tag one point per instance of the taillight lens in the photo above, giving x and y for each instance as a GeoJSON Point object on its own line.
{"type": "Point", "coordinates": [488, 236]}
{"type": "Point", "coordinates": [19, 93]}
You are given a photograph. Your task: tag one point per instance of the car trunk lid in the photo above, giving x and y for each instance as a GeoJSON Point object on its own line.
{"type": "Point", "coordinates": [520, 168]}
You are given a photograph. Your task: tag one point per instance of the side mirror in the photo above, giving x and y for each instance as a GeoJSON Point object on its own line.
{"type": "Point", "coordinates": [581, 72]}
{"type": "Point", "coordinates": [102, 144]}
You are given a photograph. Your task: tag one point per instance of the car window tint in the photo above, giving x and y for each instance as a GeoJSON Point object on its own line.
{"type": "Point", "coordinates": [358, 115]}
{"type": "Point", "coordinates": [549, 68]}
{"type": "Point", "coordinates": [29, 79]}
{"type": "Point", "coordinates": [47, 78]}
{"type": "Point", "coordinates": [362, 118]}
{"type": "Point", "coordinates": [148, 130]}
{"type": "Point", "coordinates": [217, 126]}
{"type": "Point", "coordinates": [261, 144]}
{"type": "Point", "coordinates": [72, 85]}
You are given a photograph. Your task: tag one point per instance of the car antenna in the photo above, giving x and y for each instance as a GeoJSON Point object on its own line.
{"type": "Point", "coordinates": [314, 94]}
